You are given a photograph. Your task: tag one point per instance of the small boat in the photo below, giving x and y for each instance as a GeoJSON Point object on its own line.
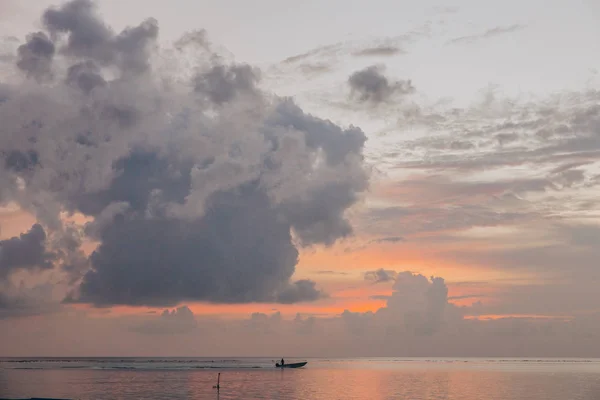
{"type": "Point", "coordinates": [293, 365]}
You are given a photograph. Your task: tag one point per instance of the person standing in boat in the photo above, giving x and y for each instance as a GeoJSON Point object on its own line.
{"type": "Point", "coordinates": [282, 362]}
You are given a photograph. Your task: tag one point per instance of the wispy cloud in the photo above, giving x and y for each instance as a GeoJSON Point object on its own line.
{"type": "Point", "coordinates": [381, 51]}
{"type": "Point", "coordinates": [490, 33]}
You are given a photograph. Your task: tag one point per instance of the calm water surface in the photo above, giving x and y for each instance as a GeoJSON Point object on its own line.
{"type": "Point", "coordinates": [456, 379]}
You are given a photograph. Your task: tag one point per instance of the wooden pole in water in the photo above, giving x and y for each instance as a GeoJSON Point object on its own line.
{"type": "Point", "coordinates": [218, 386]}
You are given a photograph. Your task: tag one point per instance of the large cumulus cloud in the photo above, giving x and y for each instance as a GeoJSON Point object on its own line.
{"type": "Point", "coordinates": [198, 185]}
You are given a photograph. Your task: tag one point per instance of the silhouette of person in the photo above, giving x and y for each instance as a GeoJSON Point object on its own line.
{"type": "Point", "coordinates": [282, 362]}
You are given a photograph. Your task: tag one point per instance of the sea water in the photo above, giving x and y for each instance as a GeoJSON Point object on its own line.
{"type": "Point", "coordinates": [256, 378]}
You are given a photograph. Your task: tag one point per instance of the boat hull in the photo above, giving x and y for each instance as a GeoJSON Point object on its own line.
{"type": "Point", "coordinates": [294, 365]}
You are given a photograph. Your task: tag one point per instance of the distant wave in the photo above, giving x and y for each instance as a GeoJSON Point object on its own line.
{"type": "Point", "coordinates": [177, 364]}
{"type": "Point", "coordinates": [191, 364]}
{"type": "Point", "coordinates": [144, 367]}
{"type": "Point", "coordinates": [114, 360]}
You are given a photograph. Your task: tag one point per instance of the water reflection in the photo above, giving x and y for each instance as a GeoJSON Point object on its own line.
{"type": "Point", "coordinates": [359, 382]}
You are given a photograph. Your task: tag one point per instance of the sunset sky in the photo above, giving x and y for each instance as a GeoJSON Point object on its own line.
{"type": "Point", "coordinates": [385, 178]}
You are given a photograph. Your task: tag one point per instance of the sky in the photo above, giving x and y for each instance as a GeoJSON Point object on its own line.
{"type": "Point", "coordinates": [227, 178]}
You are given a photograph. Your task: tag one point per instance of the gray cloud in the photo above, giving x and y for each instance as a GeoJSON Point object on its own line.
{"type": "Point", "coordinates": [90, 38]}
{"type": "Point", "coordinates": [490, 33]}
{"type": "Point", "coordinates": [177, 321]}
{"type": "Point", "coordinates": [19, 161]}
{"type": "Point", "coordinates": [302, 290]}
{"type": "Point", "coordinates": [36, 55]}
{"type": "Point", "coordinates": [315, 69]}
{"type": "Point", "coordinates": [322, 51]}
{"type": "Point", "coordinates": [379, 297]}
{"type": "Point", "coordinates": [28, 251]}
{"type": "Point", "coordinates": [558, 245]}
{"type": "Point", "coordinates": [19, 302]}
{"type": "Point", "coordinates": [199, 188]}
{"type": "Point", "coordinates": [418, 307]}
{"type": "Point", "coordinates": [85, 75]}
{"type": "Point", "coordinates": [381, 51]}
{"type": "Point", "coordinates": [329, 272]}
{"type": "Point", "coordinates": [390, 239]}
{"type": "Point", "coordinates": [417, 323]}
{"type": "Point", "coordinates": [553, 142]}
{"type": "Point", "coordinates": [467, 296]}
{"type": "Point", "coordinates": [221, 83]}
{"type": "Point", "coordinates": [381, 275]}
{"type": "Point", "coordinates": [215, 258]}
{"type": "Point", "coordinates": [5, 92]}
{"type": "Point", "coordinates": [370, 85]}
{"type": "Point", "coordinates": [420, 303]}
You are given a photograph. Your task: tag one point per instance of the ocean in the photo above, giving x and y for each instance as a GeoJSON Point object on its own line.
{"type": "Point", "coordinates": [320, 379]}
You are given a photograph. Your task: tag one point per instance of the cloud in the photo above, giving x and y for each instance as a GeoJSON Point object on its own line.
{"type": "Point", "coordinates": [379, 297]}
{"type": "Point", "coordinates": [370, 85]}
{"type": "Point", "coordinates": [420, 304]}
{"type": "Point", "coordinates": [86, 76]}
{"type": "Point", "coordinates": [221, 83]}
{"type": "Point", "coordinates": [390, 239]}
{"type": "Point", "coordinates": [380, 275]}
{"type": "Point", "coordinates": [321, 51]}
{"type": "Point", "coordinates": [330, 272]}
{"type": "Point", "coordinates": [20, 301]}
{"type": "Point", "coordinates": [199, 185]}
{"type": "Point", "coordinates": [467, 296]}
{"type": "Point", "coordinates": [315, 69]}
{"type": "Point", "coordinates": [177, 321]}
{"type": "Point", "coordinates": [89, 37]}
{"type": "Point", "coordinates": [499, 163]}
{"type": "Point", "coordinates": [417, 321]}
{"type": "Point", "coordinates": [302, 290]}
{"type": "Point", "coordinates": [28, 251]}
{"type": "Point", "coordinates": [381, 51]}
{"type": "Point", "coordinates": [35, 56]}
{"type": "Point", "coordinates": [490, 33]}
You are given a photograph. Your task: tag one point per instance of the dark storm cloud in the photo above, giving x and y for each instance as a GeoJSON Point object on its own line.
{"type": "Point", "coordinates": [238, 252]}
{"type": "Point", "coordinates": [36, 55]}
{"type": "Point", "coordinates": [189, 200]}
{"type": "Point", "coordinates": [28, 251]}
{"type": "Point", "coordinates": [371, 85]}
